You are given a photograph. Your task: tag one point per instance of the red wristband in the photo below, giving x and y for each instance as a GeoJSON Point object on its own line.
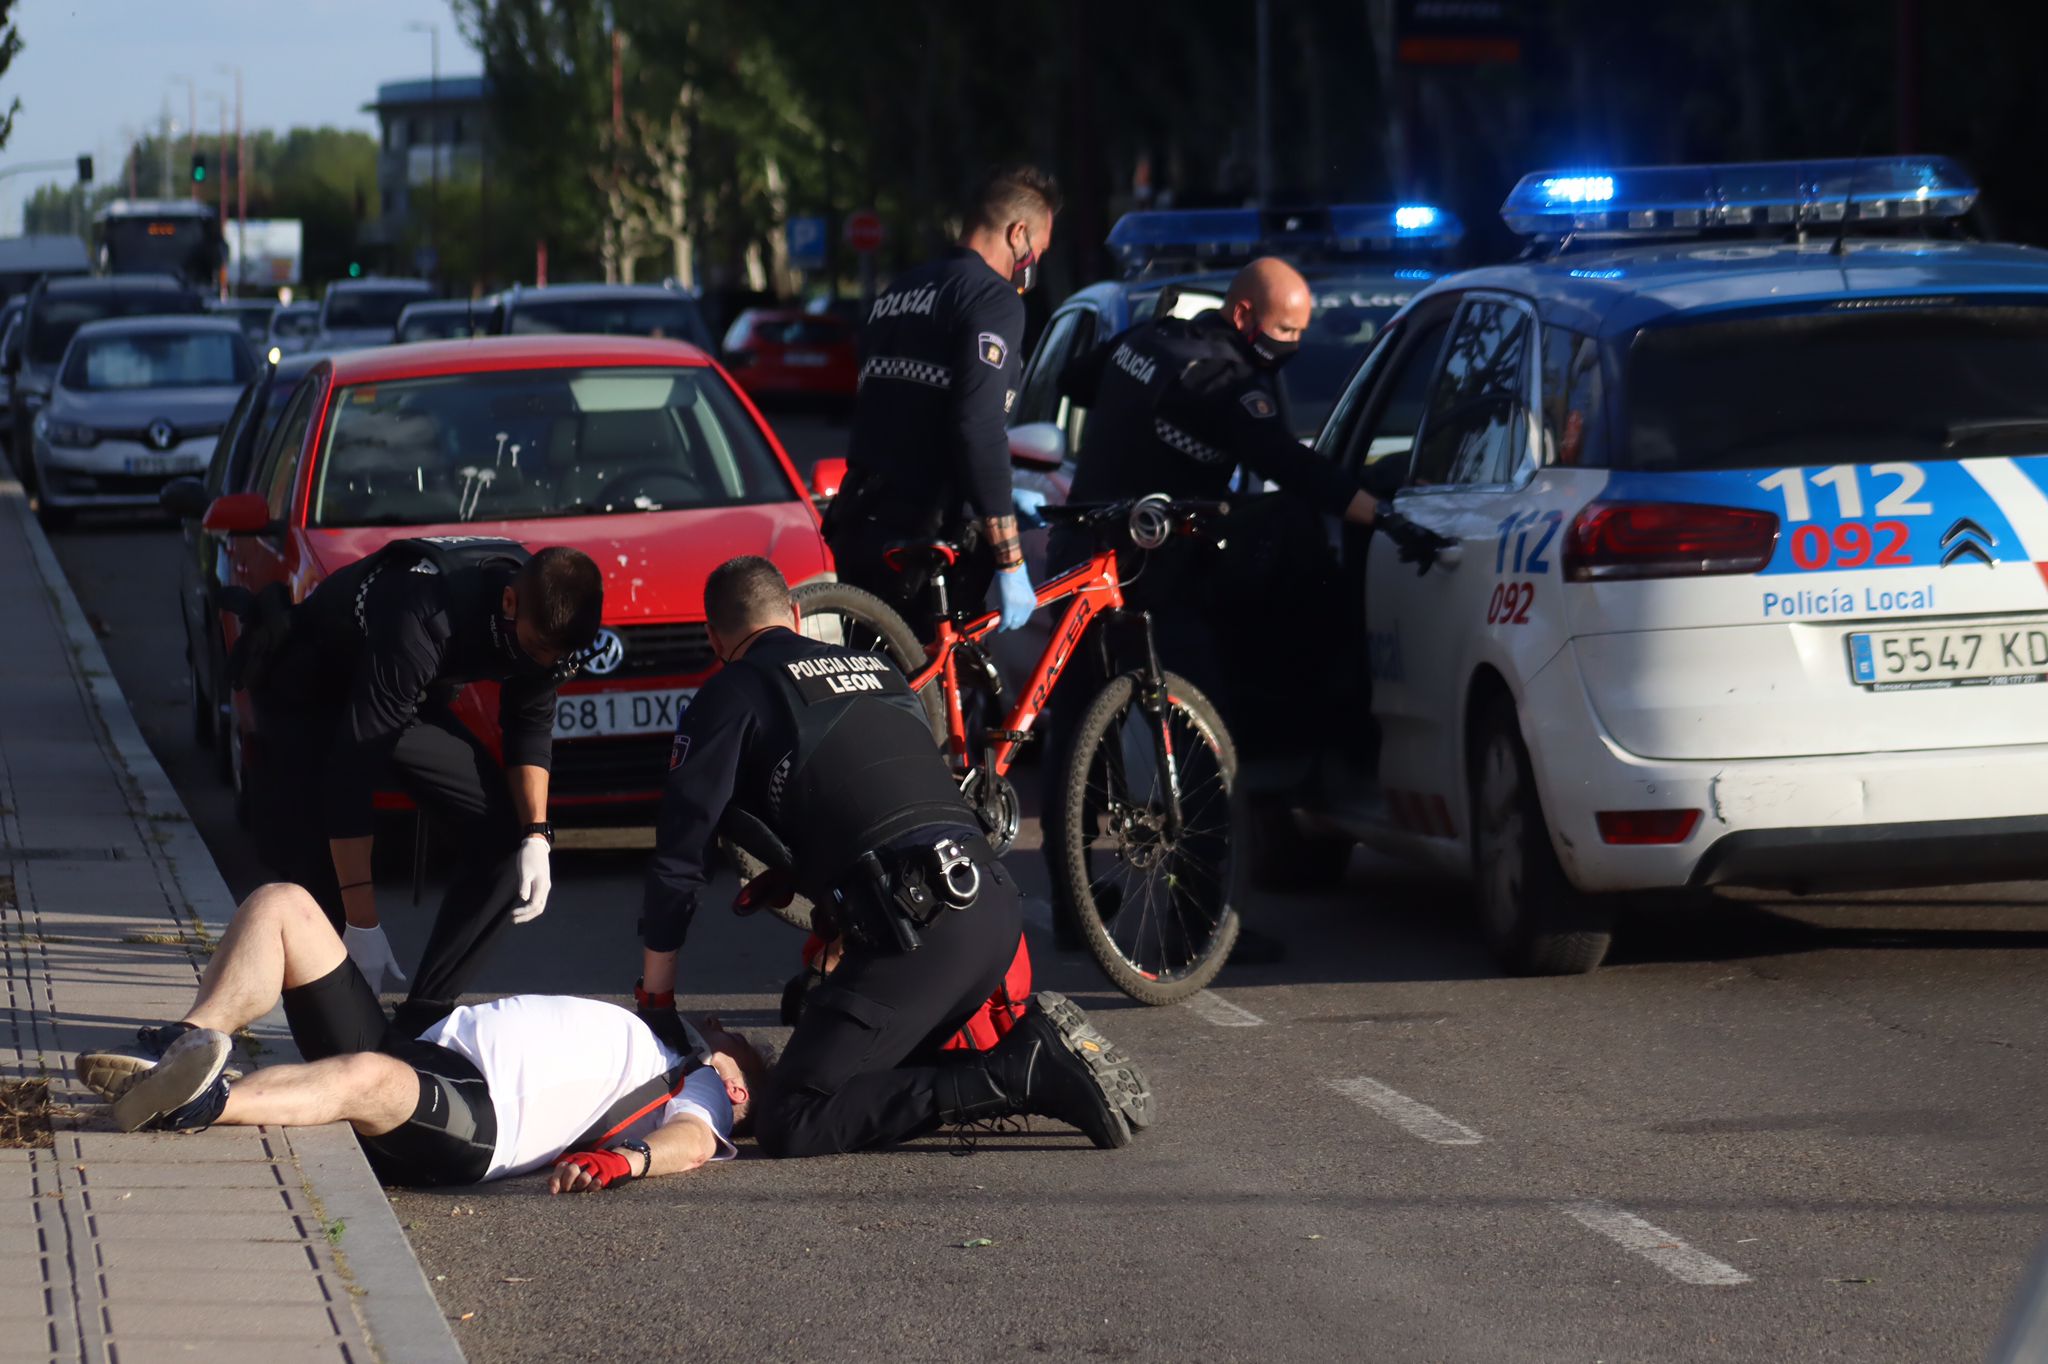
{"type": "Point", "coordinates": [605, 1168]}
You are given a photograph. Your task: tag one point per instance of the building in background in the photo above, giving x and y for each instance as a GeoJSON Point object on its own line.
{"type": "Point", "coordinates": [430, 130]}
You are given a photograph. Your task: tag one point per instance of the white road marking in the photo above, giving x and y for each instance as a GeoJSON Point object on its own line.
{"type": "Point", "coordinates": [1659, 1247]}
{"type": "Point", "coordinates": [1211, 1007]}
{"type": "Point", "coordinates": [1417, 1119]}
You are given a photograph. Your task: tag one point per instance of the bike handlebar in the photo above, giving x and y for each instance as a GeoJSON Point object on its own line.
{"type": "Point", "coordinates": [1149, 521]}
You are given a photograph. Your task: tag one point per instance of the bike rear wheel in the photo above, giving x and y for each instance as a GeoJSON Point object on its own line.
{"type": "Point", "coordinates": [1157, 909]}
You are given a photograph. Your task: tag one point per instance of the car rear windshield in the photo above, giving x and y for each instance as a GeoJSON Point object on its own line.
{"type": "Point", "coordinates": [158, 360]}
{"type": "Point", "coordinates": [365, 308]}
{"type": "Point", "coordinates": [58, 317]}
{"type": "Point", "coordinates": [438, 325]}
{"type": "Point", "coordinates": [295, 323]}
{"type": "Point", "coordinates": [1842, 386]}
{"type": "Point", "coordinates": [802, 331]}
{"type": "Point", "coordinates": [674, 318]}
{"type": "Point", "coordinates": [540, 443]}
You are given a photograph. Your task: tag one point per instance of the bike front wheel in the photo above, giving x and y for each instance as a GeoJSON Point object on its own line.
{"type": "Point", "coordinates": [1156, 906]}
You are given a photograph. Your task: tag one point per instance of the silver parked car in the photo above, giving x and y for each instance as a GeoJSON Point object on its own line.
{"type": "Point", "coordinates": [136, 402]}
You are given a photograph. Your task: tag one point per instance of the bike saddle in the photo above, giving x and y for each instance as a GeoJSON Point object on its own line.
{"type": "Point", "coordinates": [903, 555]}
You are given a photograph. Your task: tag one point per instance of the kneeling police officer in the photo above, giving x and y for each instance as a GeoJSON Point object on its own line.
{"type": "Point", "coordinates": [352, 690]}
{"type": "Point", "coordinates": [820, 759]}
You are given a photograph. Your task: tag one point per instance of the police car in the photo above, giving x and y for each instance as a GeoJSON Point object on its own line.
{"type": "Point", "coordinates": [1745, 470]}
{"type": "Point", "coordinates": [1364, 261]}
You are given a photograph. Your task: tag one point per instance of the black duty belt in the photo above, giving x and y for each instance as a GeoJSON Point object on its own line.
{"type": "Point", "coordinates": [894, 892]}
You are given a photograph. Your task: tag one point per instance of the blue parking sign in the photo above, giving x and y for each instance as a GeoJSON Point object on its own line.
{"type": "Point", "coordinates": [806, 237]}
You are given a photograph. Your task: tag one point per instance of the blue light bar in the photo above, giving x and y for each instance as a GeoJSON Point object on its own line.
{"type": "Point", "coordinates": [1218, 235]}
{"type": "Point", "coordinates": [1666, 199]}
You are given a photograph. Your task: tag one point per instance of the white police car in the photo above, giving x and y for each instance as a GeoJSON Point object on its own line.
{"type": "Point", "coordinates": [1747, 473]}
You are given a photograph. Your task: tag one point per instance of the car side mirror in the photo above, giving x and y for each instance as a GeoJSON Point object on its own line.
{"type": "Point", "coordinates": [1038, 445]}
{"type": "Point", "coordinates": [184, 498]}
{"type": "Point", "coordinates": [238, 514]}
{"type": "Point", "coordinates": [826, 477]}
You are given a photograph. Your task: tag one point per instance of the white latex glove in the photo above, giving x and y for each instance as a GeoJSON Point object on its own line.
{"type": "Point", "coordinates": [370, 950]}
{"type": "Point", "coordinates": [534, 881]}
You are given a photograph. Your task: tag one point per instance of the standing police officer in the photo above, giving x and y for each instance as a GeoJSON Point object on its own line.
{"type": "Point", "coordinates": [941, 353]}
{"type": "Point", "coordinates": [352, 689]}
{"type": "Point", "coordinates": [825, 752]}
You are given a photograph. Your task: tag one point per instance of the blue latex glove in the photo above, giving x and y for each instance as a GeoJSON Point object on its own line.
{"type": "Point", "coordinates": [1019, 600]}
{"type": "Point", "coordinates": [1028, 504]}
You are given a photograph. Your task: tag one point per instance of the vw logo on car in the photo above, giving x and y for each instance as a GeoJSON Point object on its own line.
{"type": "Point", "coordinates": [607, 652]}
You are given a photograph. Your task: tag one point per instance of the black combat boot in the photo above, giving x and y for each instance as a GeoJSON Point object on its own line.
{"type": "Point", "coordinates": [1034, 1070]}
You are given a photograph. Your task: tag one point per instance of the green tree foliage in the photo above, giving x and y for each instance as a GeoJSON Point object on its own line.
{"type": "Point", "coordinates": [10, 48]}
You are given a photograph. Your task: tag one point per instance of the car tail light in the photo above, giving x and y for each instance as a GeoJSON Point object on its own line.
{"type": "Point", "coordinates": [1646, 826]}
{"type": "Point", "coordinates": [1612, 540]}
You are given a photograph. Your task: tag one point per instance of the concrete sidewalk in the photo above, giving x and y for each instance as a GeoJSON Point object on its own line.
{"type": "Point", "coordinates": [238, 1244]}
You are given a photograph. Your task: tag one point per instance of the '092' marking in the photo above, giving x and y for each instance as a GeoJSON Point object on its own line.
{"type": "Point", "coordinates": [1510, 603]}
{"type": "Point", "coordinates": [1851, 545]}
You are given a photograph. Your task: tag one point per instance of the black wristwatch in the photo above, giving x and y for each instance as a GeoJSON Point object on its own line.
{"type": "Point", "coordinates": [640, 1148]}
{"type": "Point", "coordinates": [541, 830]}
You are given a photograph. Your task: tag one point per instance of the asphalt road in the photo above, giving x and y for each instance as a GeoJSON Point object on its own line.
{"type": "Point", "coordinates": [1779, 1130]}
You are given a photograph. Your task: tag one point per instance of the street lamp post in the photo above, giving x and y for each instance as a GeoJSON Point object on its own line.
{"type": "Point", "coordinates": [191, 127]}
{"type": "Point", "coordinates": [241, 186]}
{"type": "Point", "coordinates": [433, 32]}
{"type": "Point", "coordinates": [221, 273]}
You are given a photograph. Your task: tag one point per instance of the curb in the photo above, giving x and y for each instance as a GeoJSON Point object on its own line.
{"type": "Point", "coordinates": [396, 1306]}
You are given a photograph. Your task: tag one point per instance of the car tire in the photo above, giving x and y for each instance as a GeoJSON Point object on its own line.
{"type": "Point", "coordinates": [1285, 858]}
{"type": "Point", "coordinates": [53, 518]}
{"type": "Point", "coordinates": [1535, 921]}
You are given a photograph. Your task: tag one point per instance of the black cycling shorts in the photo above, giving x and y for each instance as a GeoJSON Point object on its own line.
{"type": "Point", "coordinates": [453, 1130]}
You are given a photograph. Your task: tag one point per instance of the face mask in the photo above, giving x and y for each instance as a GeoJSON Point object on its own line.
{"type": "Point", "coordinates": [1024, 268]}
{"type": "Point", "coordinates": [505, 642]}
{"type": "Point", "coordinates": [1268, 353]}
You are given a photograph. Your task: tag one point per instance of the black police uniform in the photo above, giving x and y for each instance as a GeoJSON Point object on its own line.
{"type": "Point", "coordinates": [940, 359]}
{"type": "Point", "coordinates": [357, 696]}
{"type": "Point", "coordinates": [829, 752]}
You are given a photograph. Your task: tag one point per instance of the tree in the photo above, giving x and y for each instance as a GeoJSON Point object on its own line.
{"type": "Point", "coordinates": [10, 48]}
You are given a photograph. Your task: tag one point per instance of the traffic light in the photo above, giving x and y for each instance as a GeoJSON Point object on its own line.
{"type": "Point", "coordinates": [199, 168]}
{"type": "Point", "coordinates": [355, 270]}
{"type": "Point", "coordinates": [84, 170]}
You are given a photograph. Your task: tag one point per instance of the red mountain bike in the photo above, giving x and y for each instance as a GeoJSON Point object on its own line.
{"type": "Point", "coordinates": [1140, 829]}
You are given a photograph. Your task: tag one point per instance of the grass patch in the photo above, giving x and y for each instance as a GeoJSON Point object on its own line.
{"type": "Point", "coordinates": [334, 1231]}
{"type": "Point", "coordinates": [155, 939]}
{"type": "Point", "coordinates": [25, 1114]}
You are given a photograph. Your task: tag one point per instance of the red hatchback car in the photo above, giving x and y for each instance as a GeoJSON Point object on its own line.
{"type": "Point", "coordinates": [640, 453]}
{"type": "Point", "coordinates": [784, 353]}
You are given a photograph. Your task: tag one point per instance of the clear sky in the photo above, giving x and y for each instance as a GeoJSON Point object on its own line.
{"type": "Point", "coordinates": [91, 72]}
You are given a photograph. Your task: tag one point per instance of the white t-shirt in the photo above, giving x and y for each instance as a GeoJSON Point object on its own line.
{"type": "Point", "coordinates": [556, 1063]}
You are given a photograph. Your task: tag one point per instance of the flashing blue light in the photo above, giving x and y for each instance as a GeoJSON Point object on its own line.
{"type": "Point", "coordinates": [1666, 199]}
{"type": "Point", "coordinates": [1409, 272]}
{"type": "Point", "coordinates": [1578, 189]}
{"type": "Point", "coordinates": [1223, 234]}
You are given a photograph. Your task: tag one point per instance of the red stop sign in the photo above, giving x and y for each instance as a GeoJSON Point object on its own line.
{"type": "Point", "coordinates": [864, 230]}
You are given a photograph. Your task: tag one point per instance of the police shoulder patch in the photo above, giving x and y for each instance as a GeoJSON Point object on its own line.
{"type": "Point", "coordinates": [678, 751]}
{"type": "Point", "coordinates": [1009, 400]}
{"type": "Point", "coordinates": [993, 349]}
{"type": "Point", "coordinates": [1258, 404]}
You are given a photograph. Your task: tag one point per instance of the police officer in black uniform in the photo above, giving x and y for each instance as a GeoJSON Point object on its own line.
{"type": "Point", "coordinates": [819, 760]}
{"type": "Point", "coordinates": [1178, 406]}
{"type": "Point", "coordinates": [352, 691]}
{"type": "Point", "coordinates": [941, 353]}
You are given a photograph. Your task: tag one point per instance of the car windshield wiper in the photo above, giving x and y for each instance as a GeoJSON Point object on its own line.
{"type": "Point", "coordinates": [1965, 434]}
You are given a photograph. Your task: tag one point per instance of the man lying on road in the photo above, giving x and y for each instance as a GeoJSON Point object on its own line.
{"type": "Point", "coordinates": [491, 1090]}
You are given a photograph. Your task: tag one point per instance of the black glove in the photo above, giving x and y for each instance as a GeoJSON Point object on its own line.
{"type": "Point", "coordinates": [1419, 545]}
{"type": "Point", "coordinates": [658, 1012]}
